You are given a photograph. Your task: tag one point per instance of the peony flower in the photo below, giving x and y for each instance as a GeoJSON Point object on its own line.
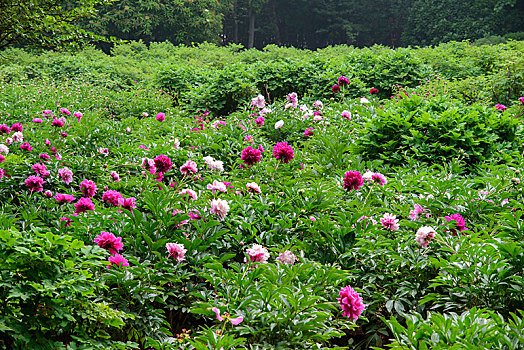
{"type": "Point", "coordinates": [293, 99]}
{"type": "Point", "coordinates": [379, 178]}
{"type": "Point", "coordinates": [220, 208]}
{"type": "Point", "coordinates": [65, 111]}
{"type": "Point", "coordinates": [18, 136]}
{"type": "Point", "coordinates": [163, 164]}
{"type": "Point", "coordinates": [521, 99]}
{"type": "Point", "coordinates": [127, 203]}
{"type": "Point", "coordinates": [235, 321]}
{"type": "Point", "coordinates": [49, 194]}
{"type": "Point", "coordinates": [367, 176]}
{"type": "Point", "coordinates": [4, 149]}
{"type": "Point", "coordinates": [26, 147]}
{"type": "Point", "coordinates": [364, 100]}
{"type": "Point", "coordinates": [117, 260]}
{"type": "Point", "coordinates": [309, 132]}
{"type": "Point", "coordinates": [279, 124]}
{"type": "Point", "coordinates": [4, 129]}
{"type": "Point", "coordinates": [88, 188]}
{"type": "Point", "coordinates": [189, 166]}
{"type": "Point", "coordinates": [57, 123]}
{"type": "Point", "coordinates": [373, 91]}
{"type": "Point", "coordinates": [260, 121]}
{"type": "Point", "coordinates": [217, 186]}
{"type": "Point", "coordinates": [40, 169]}
{"type": "Point", "coordinates": [253, 187]}
{"type": "Point", "coordinates": [113, 197]}
{"type": "Point", "coordinates": [83, 205]}
{"type": "Point", "coordinates": [335, 88]}
{"type": "Point", "coordinates": [424, 235]}
{"type": "Point", "coordinates": [351, 303]}
{"type": "Point", "coordinates": [176, 251]}
{"type": "Point", "coordinates": [160, 117]}
{"type": "Point", "coordinates": [251, 156]}
{"type": "Point", "coordinates": [500, 107]}
{"type": "Point", "coordinates": [287, 258]}
{"type": "Point", "coordinates": [109, 241]}
{"type": "Point", "coordinates": [78, 116]}
{"type": "Point", "coordinates": [352, 180]}
{"type": "Point", "coordinates": [66, 174]}
{"type": "Point", "coordinates": [35, 183]}
{"type": "Point", "coordinates": [283, 152]}
{"type": "Point", "coordinates": [389, 222]}
{"type": "Point", "coordinates": [2, 158]}
{"type": "Point", "coordinates": [192, 194]}
{"type": "Point", "coordinates": [115, 176]}
{"type": "Point", "coordinates": [64, 198]}
{"type": "Point", "coordinates": [17, 127]}
{"type": "Point", "coordinates": [37, 120]}
{"type": "Point", "coordinates": [460, 223]}
{"type": "Point", "coordinates": [343, 80]}
{"type": "Point", "coordinates": [258, 101]}
{"type": "Point", "coordinates": [257, 253]}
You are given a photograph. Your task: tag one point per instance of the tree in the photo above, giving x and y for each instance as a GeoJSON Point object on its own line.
{"type": "Point", "coordinates": [47, 23]}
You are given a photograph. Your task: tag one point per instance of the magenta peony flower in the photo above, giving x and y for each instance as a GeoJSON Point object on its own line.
{"type": "Point", "coordinates": [163, 164]}
{"type": "Point", "coordinates": [389, 222]}
{"type": "Point", "coordinates": [220, 208]}
{"type": "Point", "coordinates": [88, 188]}
{"type": "Point", "coordinates": [65, 111]}
{"type": "Point", "coordinates": [424, 235]}
{"type": "Point", "coordinates": [40, 169]}
{"type": "Point", "coordinates": [283, 152]}
{"type": "Point", "coordinates": [293, 99]}
{"type": "Point", "coordinates": [117, 260]}
{"type": "Point", "coordinates": [189, 166]}
{"type": "Point", "coordinates": [78, 116]}
{"type": "Point", "coordinates": [26, 147]}
{"type": "Point", "coordinates": [352, 180]}
{"type": "Point", "coordinates": [35, 183]}
{"type": "Point", "coordinates": [373, 91]}
{"type": "Point", "coordinates": [37, 120]}
{"type": "Point", "coordinates": [251, 156]}
{"type": "Point", "coordinates": [343, 80]}
{"type": "Point", "coordinates": [257, 253]}
{"type": "Point", "coordinates": [64, 198]}
{"type": "Point", "coordinates": [500, 107]}
{"type": "Point", "coordinates": [66, 174]}
{"type": "Point", "coordinates": [115, 176]}
{"type": "Point", "coordinates": [460, 223]}
{"type": "Point", "coordinates": [44, 156]}
{"type": "Point", "coordinates": [335, 89]}
{"type": "Point", "coordinates": [235, 321]}
{"type": "Point", "coordinates": [176, 251]}
{"type": "Point", "coordinates": [351, 303]}
{"type": "Point", "coordinates": [160, 117]}
{"type": "Point", "coordinates": [309, 132]}
{"type": "Point", "coordinates": [287, 258]}
{"type": "Point", "coordinates": [113, 197]}
{"type": "Point", "coordinates": [127, 203]}
{"type": "Point", "coordinates": [4, 129]}
{"type": "Point", "coordinates": [83, 205]}
{"type": "Point", "coordinates": [17, 127]}
{"type": "Point", "coordinates": [57, 122]}
{"type": "Point", "coordinates": [521, 99]}
{"type": "Point", "coordinates": [260, 121]}
{"type": "Point", "coordinates": [109, 241]}
{"type": "Point", "coordinates": [48, 194]}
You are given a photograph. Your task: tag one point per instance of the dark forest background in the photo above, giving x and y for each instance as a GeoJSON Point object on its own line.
{"type": "Point", "coordinates": [311, 23]}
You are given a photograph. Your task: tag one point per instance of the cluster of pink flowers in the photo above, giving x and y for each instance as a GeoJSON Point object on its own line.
{"type": "Point", "coordinates": [112, 197]}
{"type": "Point", "coordinates": [424, 235]}
{"type": "Point", "coordinates": [389, 222]}
{"type": "Point", "coordinates": [189, 166]}
{"type": "Point", "coordinates": [220, 208]}
{"type": "Point", "coordinates": [251, 156]}
{"type": "Point", "coordinates": [458, 220]}
{"type": "Point", "coordinates": [35, 183]}
{"type": "Point", "coordinates": [258, 253]}
{"type": "Point", "coordinates": [40, 169]}
{"type": "Point", "coordinates": [109, 241]}
{"type": "Point", "coordinates": [88, 188]}
{"type": "Point", "coordinates": [417, 210]}
{"type": "Point", "coordinates": [378, 178]}
{"type": "Point", "coordinates": [176, 251]}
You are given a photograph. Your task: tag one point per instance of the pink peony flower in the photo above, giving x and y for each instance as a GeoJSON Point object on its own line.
{"type": "Point", "coordinates": [287, 258]}
{"type": "Point", "coordinates": [88, 188]}
{"type": "Point", "coordinates": [424, 235]}
{"type": "Point", "coordinates": [163, 164]}
{"type": "Point", "coordinates": [500, 107]}
{"type": "Point", "coordinates": [351, 303]}
{"type": "Point", "coordinates": [65, 111]}
{"type": "Point", "coordinates": [4, 129]}
{"type": "Point", "coordinates": [373, 91]}
{"type": "Point", "coordinates": [343, 80]}
{"type": "Point", "coordinates": [48, 194]}
{"type": "Point", "coordinates": [220, 208]}
{"type": "Point", "coordinates": [253, 187]}
{"type": "Point", "coordinates": [346, 114]}
{"type": "Point", "coordinates": [117, 260]}
{"type": "Point", "coordinates": [189, 166]}
{"type": "Point", "coordinates": [160, 117]}
{"type": "Point", "coordinates": [257, 253]}
{"type": "Point", "coordinates": [113, 197]}
{"type": "Point", "coordinates": [459, 221]}
{"type": "Point", "coordinates": [190, 193]}
{"type": "Point", "coordinates": [26, 147]}
{"type": "Point", "coordinates": [176, 251]}
{"type": "Point", "coordinates": [251, 156]}
{"type": "Point", "coordinates": [258, 101]}
{"type": "Point", "coordinates": [64, 198]}
{"type": "Point", "coordinates": [40, 169]}
{"type": "Point", "coordinates": [379, 178]}
{"type": "Point", "coordinates": [83, 205]}
{"type": "Point", "coordinates": [335, 88]}
{"type": "Point", "coordinates": [35, 183]}
{"type": "Point", "coordinates": [352, 180]}
{"type": "Point", "coordinates": [44, 156]}
{"type": "Point", "coordinates": [78, 116]}
{"type": "Point", "coordinates": [293, 99]}
{"type": "Point", "coordinates": [57, 122]}
{"type": "Point", "coordinates": [115, 176]}
{"type": "Point", "coordinates": [109, 241]}
{"type": "Point", "coordinates": [260, 121]}
{"type": "Point", "coordinates": [127, 203]}
{"type": "Point", "coordinates": [66, 174]}
{"type": "Point", "coordinates": [389, 222]}
{"type": "Point", "coordinates": [37, 120]}
{"type": "Point", "coordinates": [235, 321]}
{"type": "Point", "coordinates": [2, 158]}
{"type": "Point", "coordinates": [17, 127]}
{"type": "Point", "coordinates": [217, 186]}
{"type": "Point", "coordinates": [283, 152]}
{"type": "Point", "coordinates": [309, 132]}
{"type": "Point", "coordinates": [4, 149]}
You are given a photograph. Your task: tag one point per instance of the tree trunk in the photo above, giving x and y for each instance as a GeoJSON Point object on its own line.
{"type": "Point", "coordinates": [235, 22]}
{"type": "Point", "coordinates": [274, 19]}
{"type": "Point", "coordinates": [251, 15]}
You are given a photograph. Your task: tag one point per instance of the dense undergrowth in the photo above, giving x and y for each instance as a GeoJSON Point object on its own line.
{"type": "Point", "coordinates": [430, 238]}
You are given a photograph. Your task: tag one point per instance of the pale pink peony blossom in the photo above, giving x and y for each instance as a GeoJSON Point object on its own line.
{"type": "Point", "coordinates": [287, 258]}
{"type": "Point", "coordinates": [424, 235]}
{"type": "Point", "coordinates": [177, 251]}
{"type": "Point", "coordinates": [389, 222]}
{"type": "Point", "coordinates": [258, 253]}
{"type": "Point", "coordinates": [220, 208]}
